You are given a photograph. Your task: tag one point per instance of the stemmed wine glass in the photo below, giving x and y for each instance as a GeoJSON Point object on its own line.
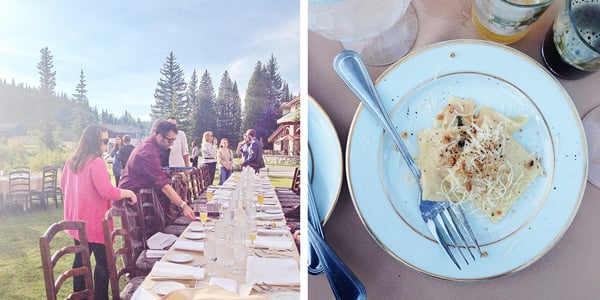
{"type": "Point", "coordinates": [203, 210]}
{"type": "Point", "coordinates": [380, 31]}
{"type": "Point", "coordinates": [252, 232]}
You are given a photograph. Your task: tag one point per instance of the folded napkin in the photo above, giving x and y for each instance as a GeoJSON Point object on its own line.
{"type": "Point", "coordinates": [268, 206]}
{"type": "Point", "coordinates": [142, 294]}
{"type": "Point", "coordinates": [209, 293]}
{"type": "Point", "coordinates": [271, 223]}
{"type": "Point", "coordinates": [151, 253]}
{"type": "Point", "coordinates": [226, 283]}
{"type": "Point", "coordinates": [189, 245]}
{"type": "Point", "coordinates": [274, 231]}
{"type": "Point", "coordinates": [266, 216]}
{"type": "Point", "coordinates": [273, 242]}
{"type": "Point", "coordinates": [165, 269]}
{"type": "Point", "coordinates": [161, 240]}
{"type": "Point", "coordinates": [276, 271]}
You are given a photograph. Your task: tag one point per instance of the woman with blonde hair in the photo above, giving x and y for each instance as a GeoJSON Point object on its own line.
{"type": "Point", "coordinates": [225, 161]}
{"type": "Point", "coordinates": [88, 194]}
{"type": "Point", "coordinates": [209, 153]}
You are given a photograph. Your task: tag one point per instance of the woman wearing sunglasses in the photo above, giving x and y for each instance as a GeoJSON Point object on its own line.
{"type": "Point", "coordinates": [88, 194]}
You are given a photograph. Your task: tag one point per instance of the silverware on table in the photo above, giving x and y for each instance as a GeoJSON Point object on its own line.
{"type": "Point", "coordinates": [344, 284]}
{"type": "Point", "coordinates": [445, 221]}
{"type": "Point", "coordinates": [314, 266]}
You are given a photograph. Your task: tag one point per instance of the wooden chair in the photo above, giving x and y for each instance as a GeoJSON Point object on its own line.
{"type": "Point", "coordinates": [205, 177]}
{"type": "Point", "coordinates": [150, 219]}
{"type": "Point", "coordinates": [120, 235]}
{"type": "Point", "coordinates": [48, 189]}
{"type": "Point", "coordinates": [50, 260]}
{"type": "Point", "coordinates": [19, 186]}
{"type": "Point", "coordinates": [296, 181]}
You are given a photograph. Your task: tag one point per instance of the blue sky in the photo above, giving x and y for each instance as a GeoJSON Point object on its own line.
{"type": "Point", "coordinates": [122, 45]}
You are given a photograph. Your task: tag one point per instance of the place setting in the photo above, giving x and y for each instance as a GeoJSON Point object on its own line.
{"type": "Point", "coordinates": [229, 259]}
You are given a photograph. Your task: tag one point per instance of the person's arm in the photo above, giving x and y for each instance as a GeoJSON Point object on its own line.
{"type": "Point", "coordinates": [186, 160]}
{"type": "Point", "coordinates": [184, 150]}
{"type": "Point", "coordinates": [238, 151]}
{"type": "Point", "coordinates": [168, 190]}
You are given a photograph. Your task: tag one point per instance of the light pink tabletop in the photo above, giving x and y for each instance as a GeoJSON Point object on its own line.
{"type": "Point", "coordinates": [571, 270]}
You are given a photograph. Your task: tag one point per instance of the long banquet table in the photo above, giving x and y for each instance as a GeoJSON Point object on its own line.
{"type": "Point", "coordinates": [568, 271]}
{"type": "Point", "coordinates": [213, 272]}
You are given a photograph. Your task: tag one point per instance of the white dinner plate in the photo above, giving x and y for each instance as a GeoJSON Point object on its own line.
{"type": "Point", "coordinates": [285, 296]}
{"type": "Point", "coordinates": [325, 163]}
{"type": "Point", "coordinates": [194, 235]}
{"type": "Point", "coordinates": [414, 91]}
{"type": "Point", "coordinates": [164, 287]}
{"type": "Point", "coordinates": [200, 228]}
{"type": "Point", "coordinates": [179, 258]}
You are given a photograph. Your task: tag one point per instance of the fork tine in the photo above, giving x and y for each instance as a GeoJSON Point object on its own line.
{"type": "Point", "coordinates": [441, 219]}
{"type": "Point", "coordinates": [460, 217]}
{"type": "Point", "coordinates": [433, 228]}
{"type": "Point", "coordinates": [457, 230]}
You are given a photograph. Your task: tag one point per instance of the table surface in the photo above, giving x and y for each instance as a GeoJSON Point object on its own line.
{"type": "Point", "coordinates": [199, 259]}
{"type": "Point", "coordinates": [569, 270]}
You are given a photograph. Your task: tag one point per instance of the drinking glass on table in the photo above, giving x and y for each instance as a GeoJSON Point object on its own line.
{"type": "Point", "coordinates": [225, 254]}
{"type": "Point", "coordinates": [209, 195]}
{"type": "Point", "coordinates": [506, 21]}
{"type": "Point", "coordinates": [203, 213]}
{"type": "Point", "coordinates": [221, 229]}
{"type": "Point", "coordinates": [252, 232]}
{"type": "Point", "coordinates": [210, 254]}
{"type": "Point", "coordinates": [260, 197]}
{"type": "Point", "coordinates": [380, 31]}
{"type": "Point", "coordinates": [239, 258]}
{"type": "Point", "coordinates": [571, 48]}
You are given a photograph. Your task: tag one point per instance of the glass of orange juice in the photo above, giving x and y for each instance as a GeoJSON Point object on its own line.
{"type": "Point", "coordinates": [209, 195]}
{"type": "Point", "coordinates": [203, 210]}
{"type": "Point", "coordinates": [506, 21]}
{"type": "Point", "coordinates": [252, 231]}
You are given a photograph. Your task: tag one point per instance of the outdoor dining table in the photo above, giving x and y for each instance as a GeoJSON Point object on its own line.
{"type": "Point", "coordinates": [570, 270]}
{"type": "Point", "coordinates": [215, 275]}
{"type": "Point", "coordinates": [35, 184]}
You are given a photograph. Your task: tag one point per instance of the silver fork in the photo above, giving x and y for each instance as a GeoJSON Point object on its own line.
{"type": "Point", "coordinates": [445, 221]}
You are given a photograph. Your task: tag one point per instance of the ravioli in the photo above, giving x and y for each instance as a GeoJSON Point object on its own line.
{"type": "Point", "coordinates": [472, 157]}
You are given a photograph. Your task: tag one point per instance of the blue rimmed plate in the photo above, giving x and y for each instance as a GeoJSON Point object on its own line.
{"type": "Point", "coordinates": [414, 90]}
{"type": "Point", "coordinates": [325, 163]}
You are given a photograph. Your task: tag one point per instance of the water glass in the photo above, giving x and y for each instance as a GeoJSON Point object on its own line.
{"type": "Point", "coordinates": [380, 31]}
{"type": "Point", "coordinates": [221, 229]}
{"type": "Point", "coordinates": [239, 258]}
{"type": "Point", "coordinates": [210, 254]}
{"type": "Point", "coordinates": [251, 211]}
{"type": "Point", "coordinates": [506, 21]}
{"type": "Point", "coordinates": [571, 49]}
{"type": "Point", "coordinates": [225, 254]}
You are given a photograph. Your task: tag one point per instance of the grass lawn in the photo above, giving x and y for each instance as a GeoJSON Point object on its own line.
{"type": "Point", "coordinates": [21, 274]}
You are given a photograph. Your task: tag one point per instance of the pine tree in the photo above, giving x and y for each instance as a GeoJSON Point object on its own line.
{"type": "Point", "coordinates": [257, 103]}
{"type": "Point", "coordinates": [204, 118]}
{"type": "Point", "coordinates": [80, 95]}
{"type": "Point", "coordinates": [275, 98]}
{"type": "Point", "coordinates": [236, 116]}
{"type": "Point", "coordinates": [170, 93]}
{"type": "Point", "coordinates": [82, 114]}
{"type": "Point", "coordinates": [228, 110]}
{"type": "Point", "coordinates": [47, 76]}
{"type": "Point", "coordinates": [191, 94]}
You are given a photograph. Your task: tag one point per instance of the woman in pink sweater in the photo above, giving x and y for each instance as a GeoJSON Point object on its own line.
{"type": "Point", "coordinates": [88, 194]}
